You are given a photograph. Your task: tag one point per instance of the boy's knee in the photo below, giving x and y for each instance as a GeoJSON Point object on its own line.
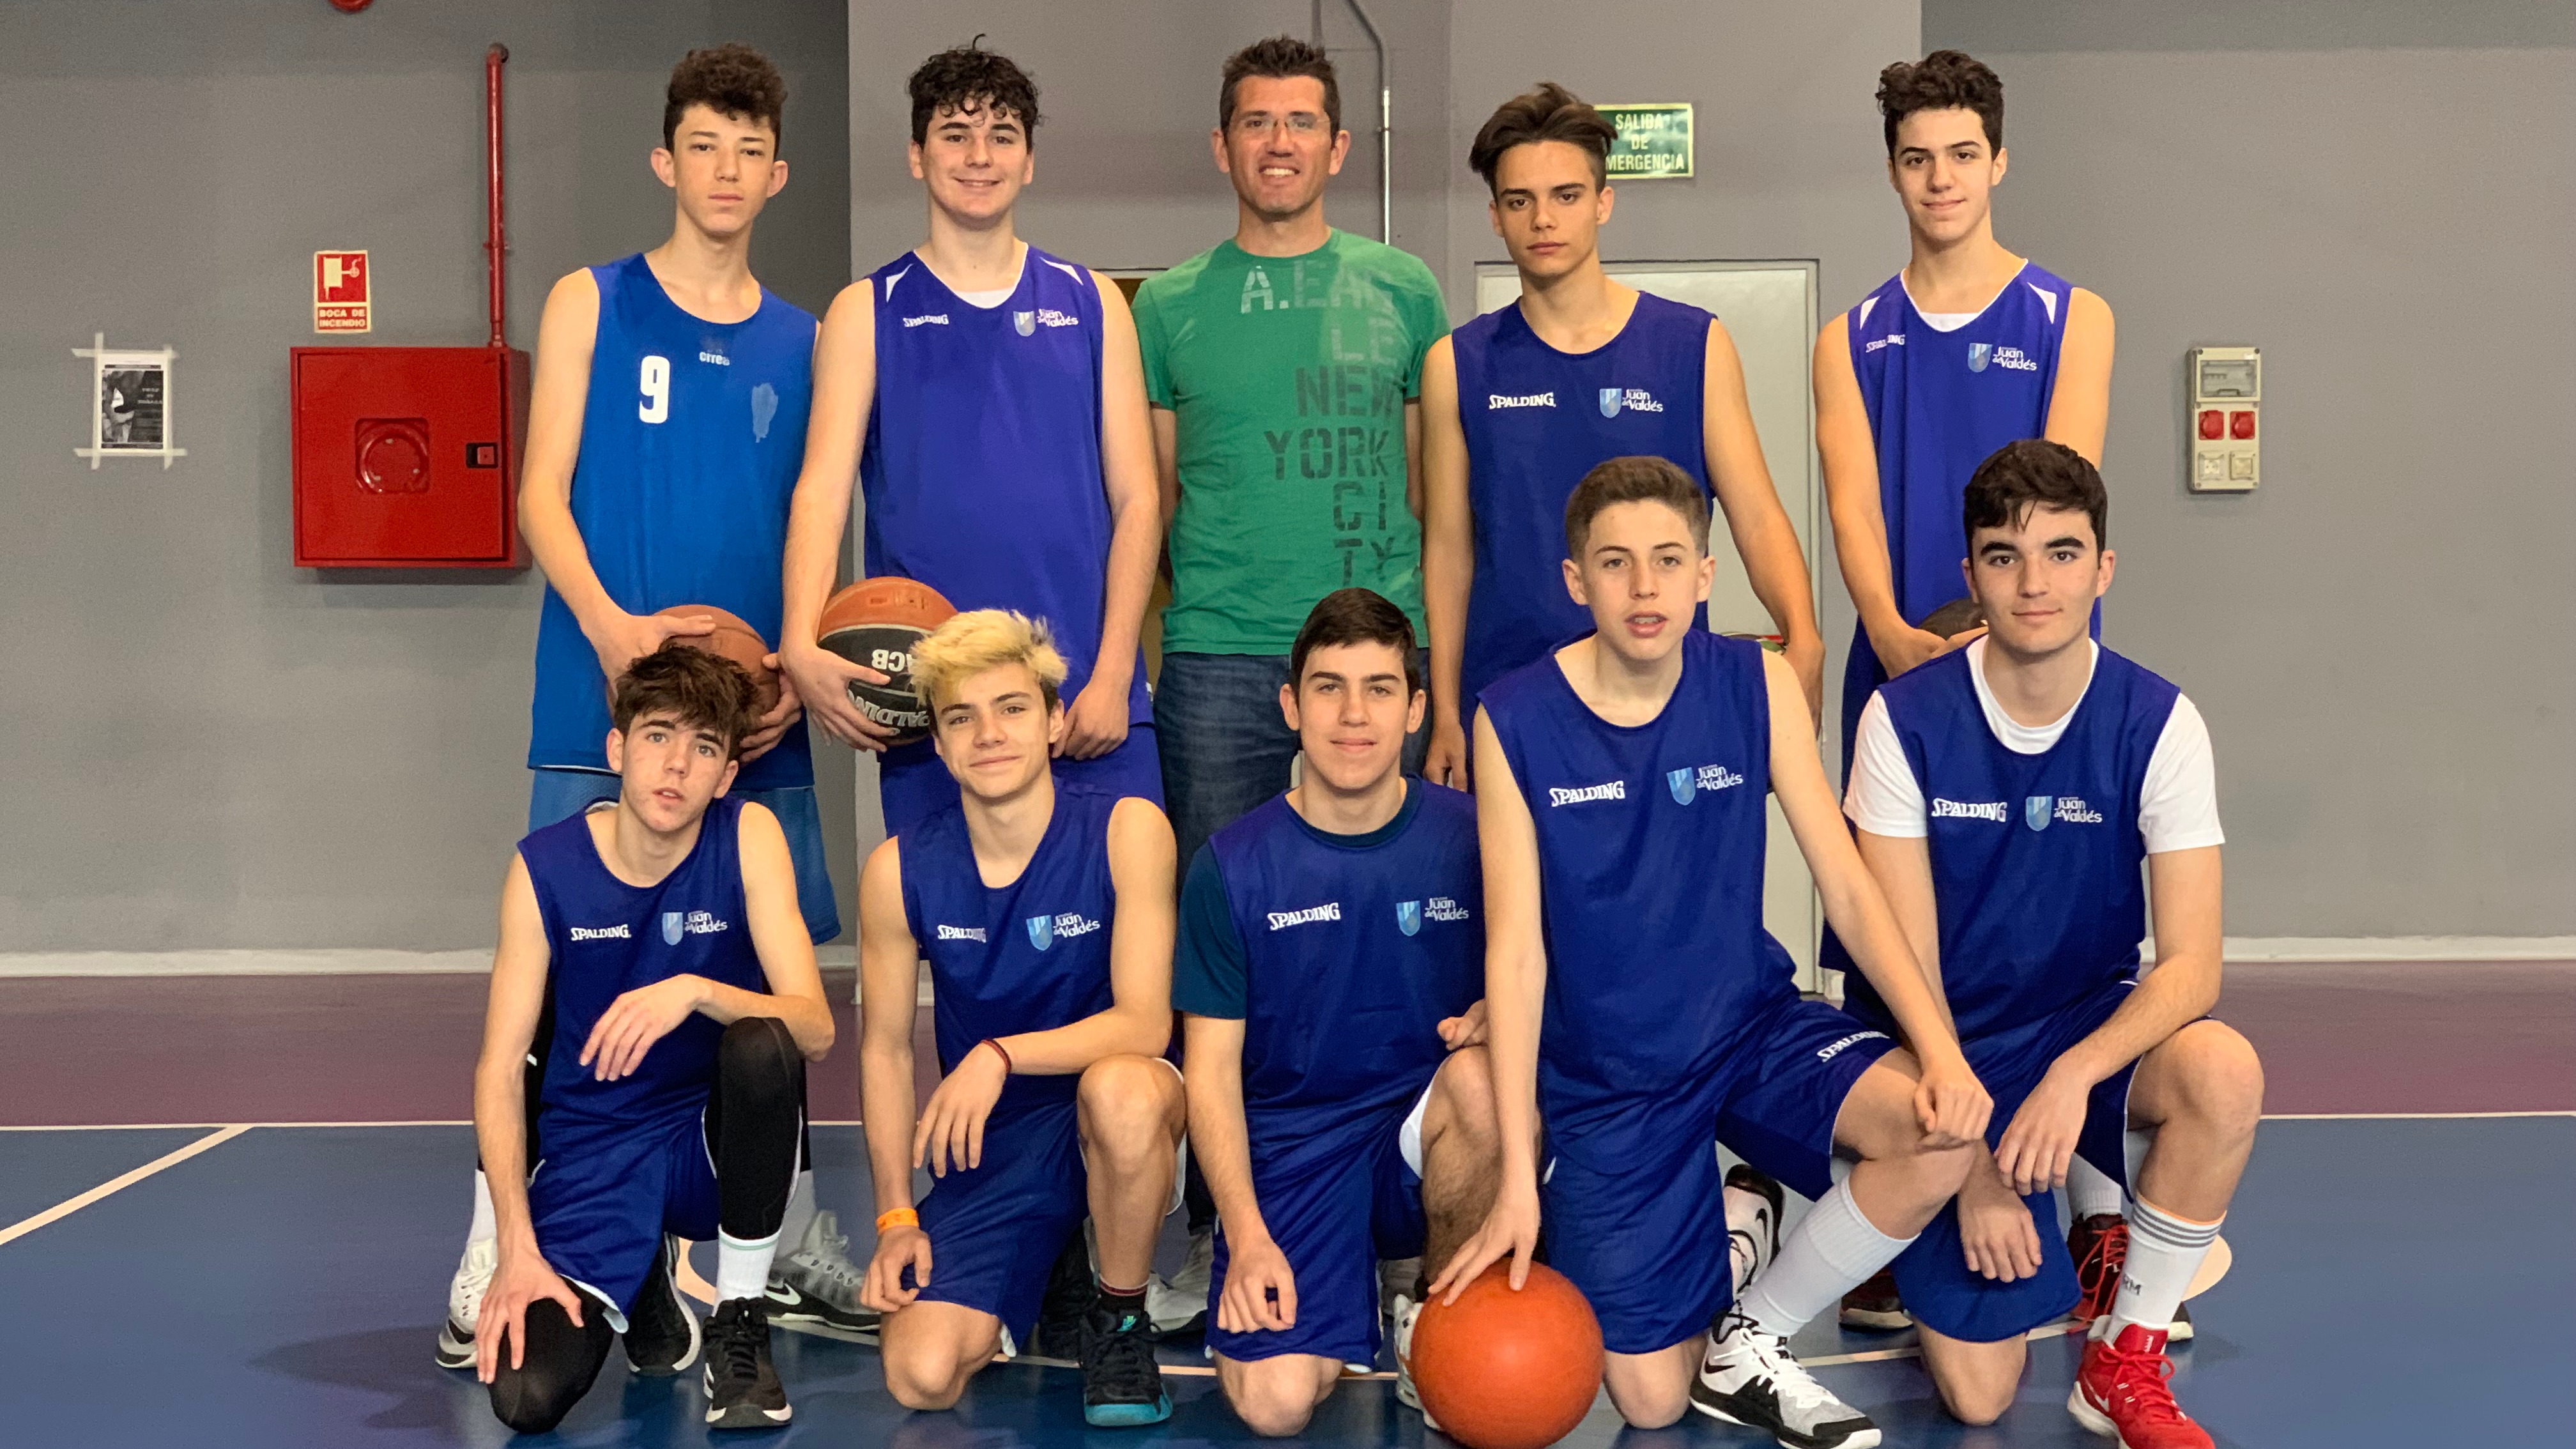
{"type": "Point", "coordinates": [1463, 1102]}
{"type": "Point", "coordinates": [922, 1380]}
{"type": "Point", "coordinates": [1273, 1406]}
{"type": "Point", "coordinates": [1656, 1408]}
{"type": "Point", "coordinates": [1976, 1405]}
{"type": "Point", "coordinates": [1125, 1104]}
{"type": "Point", "coordinates": [758, 1053]}
{"type": "Point", "coordinates": [2222, 1076]}
{"type": "Point", "coordinates": [557, 1364]}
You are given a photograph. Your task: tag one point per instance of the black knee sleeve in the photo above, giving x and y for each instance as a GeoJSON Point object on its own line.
{"type": "Point", "coordinates": [557, 1368]}
{"type": "Point", "coordinates": [756, 1125]}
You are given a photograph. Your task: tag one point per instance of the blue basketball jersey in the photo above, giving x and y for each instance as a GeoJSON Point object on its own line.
{"type": "Point", "coordinates": [607, 938]}
{"type": "Point", "coordinates": [1353, 958]}
{"type": "Point", "coordinates": [691, 439]}
{"type": "Point", "coordinates": [2035, 858]}
{"type": "Point", "coordinates": [1939, 404]}
{"type": "Point", "coordinates": [982, 463]}
{"type": "Point", "coordinates": [1029, 956]}
{"type": "Point", "coordinates": [1537, 420]}
{"type": "Point", "coordinates": [1650, 845]}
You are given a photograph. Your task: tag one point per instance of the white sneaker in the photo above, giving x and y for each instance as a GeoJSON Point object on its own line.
{"type": "Point", "coordinates": [1750, 1377]}
{"type": "Point", "coordinates": [1753, 1203]}
{"type": "Point", "coordinates": [1406, 1311]}
{"type": "Point", "coordinates": [1174, 1303]}
{"type": "Point", "coordinates": [465, 1302]}
{"type": "Point", "coordinates": [814, 1288]}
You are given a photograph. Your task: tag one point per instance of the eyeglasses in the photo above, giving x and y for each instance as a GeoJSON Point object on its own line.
{"type": "Point", "coordinates": [1261, 123]}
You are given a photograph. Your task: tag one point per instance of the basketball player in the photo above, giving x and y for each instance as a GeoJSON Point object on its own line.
{"type": "Point", "coordinates": [990, 398]}
{"type": "Point", "coordinates": [1638, 1006]}
{"type": "Point", "coordinates": [1521, 402]}
{"type": "Point", "coordinates": [664, 428]}
{"type": "Point", "coordinates": [1329, 971]}
{"type": "Point", "coordinates": [2006, 796]}
{"type": "Point", "coordinates": [660, 935]}
{"type": "Point", "coordinates": [1967, 349]}
{"type": "Point", "coordinates": [1045, 913]}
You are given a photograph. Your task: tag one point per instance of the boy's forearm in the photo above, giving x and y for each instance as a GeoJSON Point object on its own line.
{"type": "Point", "coordinates": [2165, 1002]}
{"type": "Point", "coordinates": [887, 1111]}
{"type": "Point", "coordinates": [1221, 1144]}
{"type": "Point", "coordinates": [500, 1135]}
{"type": "Point", "coordinates": [808, 1018]}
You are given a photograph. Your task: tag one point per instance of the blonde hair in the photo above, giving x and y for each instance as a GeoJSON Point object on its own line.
{"type": "Point", "coordinates": [981, 639]}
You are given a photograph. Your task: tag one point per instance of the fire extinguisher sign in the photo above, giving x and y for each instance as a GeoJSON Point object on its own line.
{"type": "Point", "coordinates": [340, 295]}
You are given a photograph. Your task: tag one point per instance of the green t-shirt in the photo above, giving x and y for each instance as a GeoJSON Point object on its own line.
{"type": "Point", "coordinates": [1287, 379]}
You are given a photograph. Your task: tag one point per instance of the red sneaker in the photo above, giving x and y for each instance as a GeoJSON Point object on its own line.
{"type": "Point", "coordinates": [2120, 1393]}
{"type": "Point", "coordinates": [2100, 1246]}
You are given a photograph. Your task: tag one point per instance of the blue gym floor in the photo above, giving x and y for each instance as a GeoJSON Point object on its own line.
{"type": "Point", "coordinates": [2397, 1282]}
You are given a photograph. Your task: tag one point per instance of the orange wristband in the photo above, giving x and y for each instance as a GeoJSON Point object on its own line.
{"type": "Point", "coordinates": [899, 1218]}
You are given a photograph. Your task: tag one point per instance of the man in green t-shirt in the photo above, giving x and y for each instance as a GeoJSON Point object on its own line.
{"type": "Point", "coordinates": [1283, 368]}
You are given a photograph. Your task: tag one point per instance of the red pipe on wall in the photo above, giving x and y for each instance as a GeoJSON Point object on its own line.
{"type": "Point", "coordinates": [495, 244]}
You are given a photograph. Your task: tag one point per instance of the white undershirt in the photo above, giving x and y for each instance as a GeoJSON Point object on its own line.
{"type": "Point", "coordinates": [1947, 321]}
{"type": "Point", "coordinates": [989, 298]}
{"type": "Point", "coordinates": [2178, 808]}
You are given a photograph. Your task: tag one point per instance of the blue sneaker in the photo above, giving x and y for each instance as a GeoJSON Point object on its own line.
{"type": "Point", "coordinates": [1122, 1386]}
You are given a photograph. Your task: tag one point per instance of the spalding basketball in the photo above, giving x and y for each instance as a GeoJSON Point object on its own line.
{"type": "Point", "coordinates": [1500, 1369]}
{"type": "Point", "coordinates": [734, 640]}
{"type": "Point", "coordinates": [875, 622]}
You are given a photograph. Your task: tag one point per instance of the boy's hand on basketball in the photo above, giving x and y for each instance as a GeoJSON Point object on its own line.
{"type": "Point", "coordinates": [1465, 1029]}
{"type": "Point", "coordinates": [522, 1277]}
{"type": "Point", "coordinates": [629, 637]}
{"type": "Point", "coordinates": [822, 680]}
{"type": "Point", "coordinates": [1995, 1228]}
{"type": "Point", "coordinates": [1097, 722]}
{"type": "Point", "coordinates": [898, 1247]}
{"type": "Point", "coordinates": [636, 1020]}
{"type": "Point", "coordinates": [1510, 1230]}
{"type": "Point", "coordinates": [2037, 1147]}
{"type": "Point", "coordinates": [1260, 1288]}
{"type": "Point", "coordinates": [951, 1131]}
{"type": "Point", "coordinates": [1949, 1101]}
{"type": "Point", "coordinates": [1444, 761]}
{"type": "Point", "coordinates": [766, 730]}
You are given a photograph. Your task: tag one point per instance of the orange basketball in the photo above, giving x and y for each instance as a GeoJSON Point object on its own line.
{"type": "Point", "coordinates": [734, 640]}
{"type": "Point", "coordinates": [875, 622]}
{"type": "Point", "coordinates": [1505, 1370]}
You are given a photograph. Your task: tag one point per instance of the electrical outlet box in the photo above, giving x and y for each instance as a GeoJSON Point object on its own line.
{"type": "Point", "coordinates": [2223, 425]}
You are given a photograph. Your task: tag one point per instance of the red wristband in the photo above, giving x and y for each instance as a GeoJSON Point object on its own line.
{"type": "Point", "coordinates": [1007, 1068]}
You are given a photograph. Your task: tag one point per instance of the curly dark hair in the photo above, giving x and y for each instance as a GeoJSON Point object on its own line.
{"type": "Point", "coordinates": [734, 80]}
{"type": "Point", "coordinates": [966, 79]}
{"type": "Point", "coordinates": [1549, 113]}
{"type": "Point", "coordinates": [1942, 81]}
{"type": "Point", "coordinates": [2030, 473]}
{"type": "Point", "coordinates": [1279, 58]}
{"type": "Point", "coordinates": [697, 686]}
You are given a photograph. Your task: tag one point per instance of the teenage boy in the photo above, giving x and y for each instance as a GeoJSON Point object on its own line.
{"type": "Point", "coordinates": [1283, 367]}
{"type": "Point", "coordinates": [660, 936]}
{"type": "Point", "coordinates": [1638, 1007]}
{"type": "Point", "coordinates": [1329, 972]}
{"type": "Point", "coordinates": [1520, 403]}
{"type": "Point", "coordinates": [1045, 913]}
{"type": "Point", "coordinates": [989, 397]}
{"type": "Point", "coordinates": [1967, 349]}
{"type": "Point", "coordinates": [664, 428]}
{"type": "Point", "coordinates": [2007, 796]}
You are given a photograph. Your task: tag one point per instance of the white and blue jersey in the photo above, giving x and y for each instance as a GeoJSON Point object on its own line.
{"type": "Point", "coordinates": [1341, 954]}
{"type": "Point", "coordinates": [1536, 421]}
{"type": "Point", "coordinates": [1671, 1016]}
{"type": "Point", "coordinates": [1029, 956]}
{"type": "Point", "coordinates": [626, 1160]}
{"type": "Point", "coordinates": [692, 435]}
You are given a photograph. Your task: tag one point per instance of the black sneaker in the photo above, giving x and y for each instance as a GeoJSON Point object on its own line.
{"type": "Point", "coordinates": [814, 1287]}
{"type": "Point", "coordinates": [743, 1391]}
{"type": "Point", "coordinates": [1875, 1306]}
{"type": "Point", "coordinates": [661, 1330]}
{"type": "Point", "coordinates": [1069, 1292]}
{"type": "Point", "coordinates": [1747, 1376]}
{"type": "Point", "coordinates": [1122, 1386]}
{"type": "Point", "coordinates": [1753, 1200]}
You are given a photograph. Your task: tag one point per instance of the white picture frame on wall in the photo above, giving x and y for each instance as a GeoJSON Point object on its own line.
{"type": "Point", "coordinates": [129, 403]}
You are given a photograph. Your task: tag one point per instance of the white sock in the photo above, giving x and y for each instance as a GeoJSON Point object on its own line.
{"type": "Point", "coordinates": [742, 1269]}
{"type": "Point", "coordinates": [2090, 1192]}
{"type": "Point", "coordinates": [2164, 1252]}
{"type": "Point", "coordinates": [1831, 1251]}
{"type": "Point", "coordinates": [485, 1228]}
{"type": "Point", "coordinates": [800, 1210]}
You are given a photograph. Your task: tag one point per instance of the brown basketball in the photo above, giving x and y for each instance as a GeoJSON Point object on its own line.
{"type": "Point", "coordinates": [1501, 1369]}
{"type": "Point", "coordinates": [1955, 617]}
{"type": "Point", "coordinates": [875, 622]}
{"type": "Point", "coordinates": [734, 640]}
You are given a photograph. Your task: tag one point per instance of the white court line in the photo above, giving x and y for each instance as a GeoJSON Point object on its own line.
{"type": "Point", "coordinates": [119, 1183]}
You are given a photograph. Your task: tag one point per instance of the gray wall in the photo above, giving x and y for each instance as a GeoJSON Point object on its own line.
{"type": "Point", "coordinates": [2377, 636]}
{"type": "Point", "coordinates": [205, 746]}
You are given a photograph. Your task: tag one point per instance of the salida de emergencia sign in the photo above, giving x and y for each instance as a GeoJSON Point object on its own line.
{"type": "Point", "coordinates": [1654, 140]}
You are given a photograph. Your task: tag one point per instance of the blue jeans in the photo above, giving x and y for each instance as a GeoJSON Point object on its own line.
{"type": "Point", "coordinates": [1226, 748]}
{"type": "Point", "coordinates": [561, 794]}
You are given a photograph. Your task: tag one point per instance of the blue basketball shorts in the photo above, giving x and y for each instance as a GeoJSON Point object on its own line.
{"type": "Point", "coordinates": [1632, 1209]}
{"type": "Point", "coordinates": [1932, 1275]}
{"type": "Point", "coordinates": [559, 794]}
{"type": "Point", "coordinates": [913, 784]}
{"type": "Point", "coordinates": [605, 1193]}
{"type": "Point", "coordinates": [1335, 1203]}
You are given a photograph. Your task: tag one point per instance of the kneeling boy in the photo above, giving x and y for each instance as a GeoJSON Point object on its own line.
{"type": "Point", "coordinates": [1330, 966]}
{"type": "Point", "coordinates": [661, 935]}
{"type": "Point", "coordinates": [1045, 913]}
{"type": "Point", "coordinates": [2006, 795]}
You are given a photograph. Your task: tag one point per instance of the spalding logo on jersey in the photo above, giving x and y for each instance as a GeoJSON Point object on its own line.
{"type": "Point", "coordinates": [1408, 916]}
